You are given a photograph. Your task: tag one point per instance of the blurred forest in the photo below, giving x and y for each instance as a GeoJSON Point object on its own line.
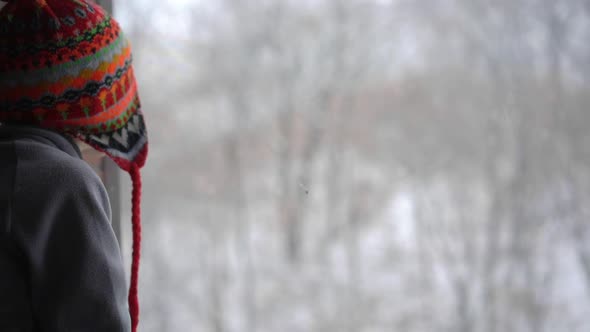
{"type": "Point", "coordinates": [365, 165]}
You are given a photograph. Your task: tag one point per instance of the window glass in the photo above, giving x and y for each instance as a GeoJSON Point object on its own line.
{"type": "Point", "coordinates": [364, 165]}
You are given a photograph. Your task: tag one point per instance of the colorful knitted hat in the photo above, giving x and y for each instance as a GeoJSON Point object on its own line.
{"type": "Point", "coordinates": [65, 65]}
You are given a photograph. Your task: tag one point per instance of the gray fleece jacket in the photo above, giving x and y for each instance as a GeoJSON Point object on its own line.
{"type": "Point", "coordinates": [60, 264]}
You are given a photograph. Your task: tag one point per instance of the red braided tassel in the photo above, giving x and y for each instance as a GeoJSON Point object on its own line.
{"type": "Point", "coordinates": [136, 222]}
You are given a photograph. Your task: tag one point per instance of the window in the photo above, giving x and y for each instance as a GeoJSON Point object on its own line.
{"type": "Point", "coordinates": [364, 165]}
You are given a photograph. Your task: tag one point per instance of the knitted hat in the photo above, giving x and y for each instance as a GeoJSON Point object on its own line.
{"type": "Point", "coordinates": [65, 65]}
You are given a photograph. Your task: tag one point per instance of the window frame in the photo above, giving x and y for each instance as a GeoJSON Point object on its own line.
{"type": "Point", "coordinates": [108, 170]}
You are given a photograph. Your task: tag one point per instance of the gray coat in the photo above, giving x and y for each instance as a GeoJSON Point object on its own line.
{"type": "Point", "coordinates": [60, 264]}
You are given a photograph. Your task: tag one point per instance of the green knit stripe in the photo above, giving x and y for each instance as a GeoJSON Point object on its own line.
{"type": "Point", "coordinates": [71, 68]}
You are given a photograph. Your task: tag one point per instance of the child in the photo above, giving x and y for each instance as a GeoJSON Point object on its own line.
{"type": "Point", "coordinates": [65, 74]}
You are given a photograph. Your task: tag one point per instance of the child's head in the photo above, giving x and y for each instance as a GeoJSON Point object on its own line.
{"type": "Point", "coordinates": [65, 65]}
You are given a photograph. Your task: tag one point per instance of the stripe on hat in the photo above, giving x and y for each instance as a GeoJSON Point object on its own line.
{"type": "Point", "coordinates": [72, 68]}
{"type": "Point", "coordinates": [99, 74]}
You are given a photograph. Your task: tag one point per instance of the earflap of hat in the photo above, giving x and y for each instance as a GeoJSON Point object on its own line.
{"type": "Point", "coordinates": [126, 146]}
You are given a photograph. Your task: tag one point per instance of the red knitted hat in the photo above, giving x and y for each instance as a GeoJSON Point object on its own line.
{"type": "Point", "coordinates": [65, 65]}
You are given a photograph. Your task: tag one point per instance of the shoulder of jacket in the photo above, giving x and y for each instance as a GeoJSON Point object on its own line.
{"type": "Point", "coordinates": [43, 166]}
